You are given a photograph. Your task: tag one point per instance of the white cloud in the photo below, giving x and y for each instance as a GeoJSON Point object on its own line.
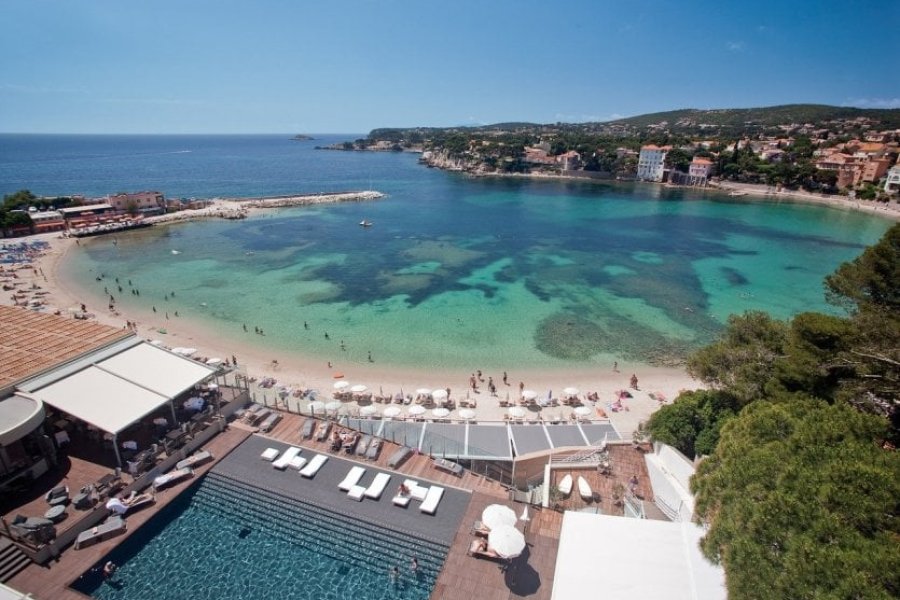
{"type": "Point", "coordinates": [873, 102]}
{"type": "Point", "coordinates": [735, 46]}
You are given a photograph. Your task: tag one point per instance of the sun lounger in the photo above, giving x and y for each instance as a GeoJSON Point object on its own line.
{"type": "Point", "coordinates": [584, 489]}
{"type": "Point", "coordinates": [322, 431]}
{"type": "Point", "coordinates": [270, 421]}
{"type": "Point", "coordinates": [363, 445]}
{"type": "Point", "coordinates": [479, 549]}
{"type": "Point", "coordinates": [314, 465]}
{"type": "Point", "coordinates": [479, 528]}
{"type": "Point", "coordinates": [401, 500]}
{"type": "Point", "coordinates": [270, 454]}
{"type": "Point", "coordinates": [259, 416]}
{"type": "Point", "coordinates": [399, 457]}
{"type": "Point", "coordinates": [377, 486]}
{"type": "Point", "coordinates": [307, 431]}
{"type": "Point", "coordinates": [111, 527]}
{"type": "Point", "coordinates": [432, 499]}
{"type": "Point", "coordinates": [196, 459]}
{"type": "Point", "coordinates": [356, 492]}
{"type": "Point", "coordinates": [565, 485]}
{"type": "Point", "coordinates": [249, 413]}
{"type": "Point", "coordinates": [449, 466]}
{"type": "Point", "coordinates": [172, 477]}
{"type": "Point", "coordinates": [374, 449]}
{"type": "Point", "coordinates": [352, 478]}
{"type": "Point", "coordinates": [297, 463]}
{"type": "Point", "coordinates": [418, 492]}
{"type": "Point", "coordinates": [285, 459]}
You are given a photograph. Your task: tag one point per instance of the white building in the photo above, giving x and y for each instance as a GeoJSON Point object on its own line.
{"type": "Point", "coordinates": [652, 162]}
{"type": "Point", "coordinates": [892, 183]}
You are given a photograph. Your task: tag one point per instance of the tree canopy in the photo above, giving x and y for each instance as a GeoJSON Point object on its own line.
{"type": "Point", "coordinates": [802, 503]}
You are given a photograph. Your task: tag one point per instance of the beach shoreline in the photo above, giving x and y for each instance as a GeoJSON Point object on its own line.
{"type": "Point", "coordinates": [297, 371]}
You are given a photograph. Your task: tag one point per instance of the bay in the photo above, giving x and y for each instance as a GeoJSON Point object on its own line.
{"type": "Point", "coordinates": [455, 271]}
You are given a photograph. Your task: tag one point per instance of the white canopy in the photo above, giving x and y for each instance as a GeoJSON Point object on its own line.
{"type": "Point", "coordinates": [116, 392]}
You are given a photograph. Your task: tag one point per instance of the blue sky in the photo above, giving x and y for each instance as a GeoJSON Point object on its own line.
{"type": "Point", "coordinates": [281, 66]}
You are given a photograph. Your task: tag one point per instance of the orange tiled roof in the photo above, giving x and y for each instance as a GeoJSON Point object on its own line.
{"type": "Point", "coordinates": [32, 342]}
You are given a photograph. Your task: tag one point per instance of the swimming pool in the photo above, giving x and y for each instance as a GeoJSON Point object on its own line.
{"type": "Point", "coordinates": [226, 539]}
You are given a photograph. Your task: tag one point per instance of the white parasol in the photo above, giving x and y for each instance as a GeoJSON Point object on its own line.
{"type": "Point", "coordinates": [529, 394]}
{"type": "Point", "coordinates": [339, 385]}
{"type": "Point", "coordinates": [316, 406]}
{"type": "Point", "coordinates": [517, 412]}
{"type": "Point", "coordinates": [416, 409]}
{"type": "Point", "coordinates": [497, 515]}
{"type": "Point", "coordinates": [333, 406]}
{"type": "Point", "coordinates": [507, 541]}
{"type": "Point", "coordinates": [440, 413]}
{"type": "Point", "coordinates": [214, 361]}
{"type": "Point", "coordinates": [439, 394]}
{"type": "Point", "coordinates": [358, 388]}
{"type": "Point", "coordinates": [467, 413]}
{"type": "Point", "coordinates": [570, 391]}
{"type": "Point", "coordinates": [582, 411]}
{"type": "Point", "coordinates": [391, 412]}
{"type": "Point", "coordinates": [368, 410]}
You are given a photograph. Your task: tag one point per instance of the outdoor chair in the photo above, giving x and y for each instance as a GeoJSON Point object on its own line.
{"type": "Point", "coordinates": [58, 495]}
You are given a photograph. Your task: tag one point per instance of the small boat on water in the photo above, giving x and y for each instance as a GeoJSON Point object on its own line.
{"type": "Point", "coordinates": [365, 223]}
{"type": "Point", "coordinates": [737, 193]}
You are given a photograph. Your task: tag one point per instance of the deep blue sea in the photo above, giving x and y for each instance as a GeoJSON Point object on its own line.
{"type": "Point", "coordinates": [456, 271]}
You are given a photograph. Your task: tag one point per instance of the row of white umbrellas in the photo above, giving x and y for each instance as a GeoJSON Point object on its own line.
{"type": "Point", "coordinates": [390, 411]}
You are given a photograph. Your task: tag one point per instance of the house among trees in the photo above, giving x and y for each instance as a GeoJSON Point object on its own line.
{"type": "Point", "coordinates": [652, 162]}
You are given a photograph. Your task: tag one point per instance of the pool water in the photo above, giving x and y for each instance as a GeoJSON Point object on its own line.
{"type": "Point", "coordinates": [197, 548]}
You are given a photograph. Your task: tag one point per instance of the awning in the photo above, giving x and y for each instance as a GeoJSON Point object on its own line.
{"type": "Point", "coordinates": [117, 391]}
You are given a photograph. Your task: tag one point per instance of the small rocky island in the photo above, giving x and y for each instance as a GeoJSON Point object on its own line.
{"type": "Point", "coordinates": [302, 138]}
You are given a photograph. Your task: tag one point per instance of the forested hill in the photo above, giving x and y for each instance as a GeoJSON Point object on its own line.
{"type": "Point", "coordinates": [726, 121]}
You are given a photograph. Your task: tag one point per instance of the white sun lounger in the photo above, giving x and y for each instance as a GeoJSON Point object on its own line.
{"type": "Point", "coordinates": [352, 478]}
{"type": "Point", "coordinates": [297, 463]}
{"type": "Point", "coordinates": [172, 477]}
{"type": "Point", "coordinates": [356, 492]}
{"type": "Point", "coordinates": [314, 465]}
{"type": "Point", "coordinates": [285, 459]}
{"type": "Point", "coordinates": [565, 485]}
{"type": "Point", "coordinates": [418, 492]}
{"type": "Point", "coordinates": [432, 499]}
{"type": "Point", "coordinates": [584, 489]}
{"type": "Point", "coordinates": [270, 454]}
{"type": "Point", "coordinates": [377, 486]}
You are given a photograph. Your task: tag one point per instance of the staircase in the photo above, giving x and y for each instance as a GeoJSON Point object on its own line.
{"type": "Point", "coordinates": [350, 540]}
{"type": "Point", "coordinates": [12, 559]}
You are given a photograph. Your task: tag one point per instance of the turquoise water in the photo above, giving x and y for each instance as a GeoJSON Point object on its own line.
{"type": "Point", "coordinates": [455, 271]}
{"type": "Point", "coordinates": [195, 550]}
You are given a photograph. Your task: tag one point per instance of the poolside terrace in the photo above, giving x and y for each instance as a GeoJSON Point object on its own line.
{"type": "Point", "coordinates": [462, 576]}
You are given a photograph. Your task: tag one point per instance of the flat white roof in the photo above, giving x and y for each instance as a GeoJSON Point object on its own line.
{"type": "Point", "coordinates": [157, 369]}
{"type": "Point", "coordinates": [102, 399]}
{"type": "Point", "coordinates": [115, 392]}
{"type": "Point", "coordinates": [601, 556]}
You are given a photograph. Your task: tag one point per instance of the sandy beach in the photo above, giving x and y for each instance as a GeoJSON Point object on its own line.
{"type": "Point", "coordinates": [299, 372]}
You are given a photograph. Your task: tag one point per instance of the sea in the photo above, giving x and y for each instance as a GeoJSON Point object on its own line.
{"type": "Point", "coordinates": [455, 270]}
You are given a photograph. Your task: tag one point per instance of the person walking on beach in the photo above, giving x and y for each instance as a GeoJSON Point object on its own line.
{"type": "Point", "coordinates": [505, 381]}
{"type": "Point", "coordinates": [615, 366]}
{"type": "Point", "coordinates": [634, 381]}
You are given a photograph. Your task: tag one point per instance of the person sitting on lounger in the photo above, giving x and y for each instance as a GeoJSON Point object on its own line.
{"type": "Point", "coordinates": [120, 505]}
{"type": "Point", "coordinates": [403, 490]}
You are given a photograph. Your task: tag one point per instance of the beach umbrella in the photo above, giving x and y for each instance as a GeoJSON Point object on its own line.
{"type": "Point", "coordinates": [391, 412]}
{"type": "Point", "coordinates": [340, 385]}
{"type": "Point", "coordinates": [516, 411]}
{"type": "Point", "coordinates": [440, 412]}
{"type": "Point", "coordinates": [214, 361]}
{"type": "Point", "coordinates": [529, 394]}
{"type": "Point", "coordinates": [333, 406]}
{"type": "Point", "coordinates": [498, 515]}
{"type": "Point", "coordinates": [423, 392]}
{"type": "Point", "coordinates": [507, 541]}
{"type": "Point", "coordinates": [467, 413]}
{"type": "Point", "coordinates": [368, 410]}
{"type": "Point", "coordinates": [188, 351]}
{"type": "Point", "coordinates": [316, 406]}
{"type": "Point", "coordinates": [570, 391]}
{"type": "Point", "coordinates": [358, 388]}
{"type": "Point", "coordinates": [582, 411]}
{"type": "Point", "coordinates": [416, 409]}
{"type": "Point", "coordinates": [439, 394]}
